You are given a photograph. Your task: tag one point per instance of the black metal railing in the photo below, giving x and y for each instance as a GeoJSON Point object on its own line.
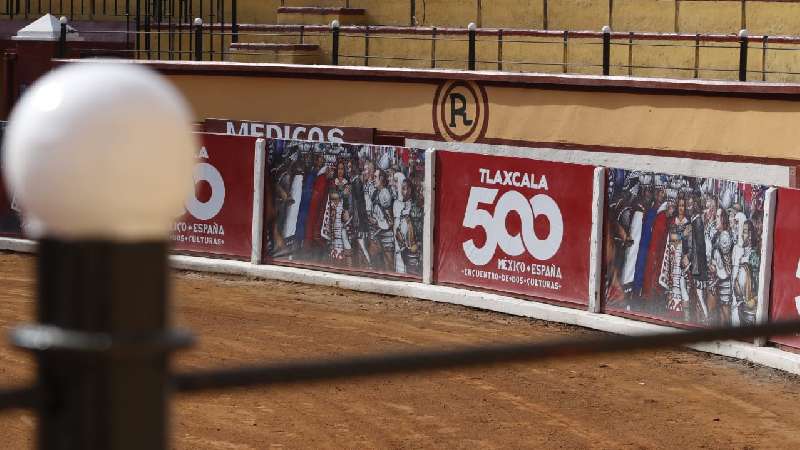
{"type": "Point", "coordinates": [737, 57]}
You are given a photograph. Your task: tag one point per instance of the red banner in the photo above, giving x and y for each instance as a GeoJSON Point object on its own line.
{"type": "Point", "coordinates": [785, 295]}
{"type": "Point", "coordinates": [514, 225]}
{"type": "Point", "coordinates": [290, 131]}
{"type": "Point", "coordinates": [218, 217]}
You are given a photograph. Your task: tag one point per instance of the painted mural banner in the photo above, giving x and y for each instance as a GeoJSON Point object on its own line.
{"type": "Point", "coordinates": [290, 131]}
{"type": "Point", "coordinates": [10, 216]}
{"type": "Point", "coordinates": [219, 214]}
{"type": "Point", "coordinates": [355, 208]}
{"type": "Point", "coordinates": [785, 295]}
{"type": "Point", "coordinates": [513, 225]}
{"type": "Point", "coordinates": [681, 249]}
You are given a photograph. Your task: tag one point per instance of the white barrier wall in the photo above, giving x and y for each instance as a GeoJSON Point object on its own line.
{"type": "Point", "coordinates": [588, 316]}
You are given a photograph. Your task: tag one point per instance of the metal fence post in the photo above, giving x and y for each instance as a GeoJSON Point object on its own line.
{"type": "Point", "coordinates": [630, 54]}
{"type": "Point", "coordinates": [500, 49]}
{"type": "Point", "coordinates": [764, 46]}
{"type": "Point", "coordinates": [198, 39]}
{"type": "Point", "coordinates": [147, 13]}
{"type": "Point", "coordinates": [366, 45]}
{"type": "Point", "coordinates": [137, 25]}
{"type": "Point", "coordinates": [102, 339]}
{"type": "Point", "coordinates": [544, 14]}
{"type": "Point", "coordinates": [335, 44]}
{"type": "Point", "coordinates": [234, 22]}
{"type": "Point", "coordinates": [742, 55]}
{"type": "Point", "coordinates": [433, 48]}
{"type": "Point", "coordinates": [606, 50]}
{"type": "Point", "coordinates": [62, 38]}
{"type": "Point", "coordinates": [471, 33]}
{"type": "Point", "coordinates": [697, 56]}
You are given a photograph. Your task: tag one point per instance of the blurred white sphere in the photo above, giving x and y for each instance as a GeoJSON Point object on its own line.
{"type": "Point", "coordinates": [100, 150]}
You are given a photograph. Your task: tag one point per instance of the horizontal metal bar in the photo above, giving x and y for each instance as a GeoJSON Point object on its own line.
{"type": "Point", "coordinates": [18, 398]}
{"type": "Point", "coordinates": [410, 362]}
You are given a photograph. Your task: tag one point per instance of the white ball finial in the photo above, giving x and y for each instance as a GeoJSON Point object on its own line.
{"type": "Point", "coordinates": [335, 24]}
{"type": "Point", "coordinates": [743, 33]}
{"type": "Point", "coordinates": [198, 21]}
{"type": "Point", "coordinates": [471, 26]}
{"type": "Point", "coordinates": [606, 29]}
{"type": "Point", "coordinates": [63, 20]}
{"type": "Point", "coordinates": [101, 151]}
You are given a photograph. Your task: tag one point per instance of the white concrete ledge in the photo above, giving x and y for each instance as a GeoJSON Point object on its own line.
{"type": "Point", "coordinates": [766, 356]}
{"type": "Point", "coordinates": [18, 245]}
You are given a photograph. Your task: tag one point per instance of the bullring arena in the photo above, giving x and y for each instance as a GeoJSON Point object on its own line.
{"type": "Point", "coordinates": [672, 398]}
{"type": "Point", "coordinates": [399, 224]}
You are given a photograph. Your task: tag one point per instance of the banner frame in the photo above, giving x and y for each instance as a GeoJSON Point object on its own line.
{"type": "Point", "coordinates": [428, 253]}
{"type": "Point", "coordinates": [259, 177]}
{"type": "Point", "coordinates": [596, 240]}
{"type": "Point", "coordinates": [765, 271]}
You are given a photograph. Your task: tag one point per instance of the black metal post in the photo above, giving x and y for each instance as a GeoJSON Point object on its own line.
{"type": "Point", "coordinates": [433, 48]}
{"type": "Point", "coordinates": [147, 14]}
{"type": "Point", "coordinates": [335, 45]}
{"type": "Point", "coordinates": [412, 21]}
{"type": "Point", "coordinates": [606, 50]}
{"type": "Point", "coordinates": [234, 23]}
{"type": "Point", "coordinates": [500, 49]}
{"type": "Point", "coordinates": [138, 22]}
{"type": "Point", "coordinates": [198, 39]}
{"type": "Point", "coordinates": [743, 55]}
{"type": "Point", "coordinates": [102, 309]}
{"type": "Point", "coordinates": [62, 39]}
{"type": "Point", "coordinates": [471, 33]}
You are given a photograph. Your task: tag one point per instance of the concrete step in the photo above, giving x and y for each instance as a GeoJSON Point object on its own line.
{"type": "Point", "coordinates": [264, 52]}
{"type": "Point", "coordinates": [270, 36]}
{"type": "Point", "coordinates": [326, 3]}
{"type": "Point", "coordinates": [319, 15]}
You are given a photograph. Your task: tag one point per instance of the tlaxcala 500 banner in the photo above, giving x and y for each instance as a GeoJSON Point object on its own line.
{"type": "Point", "coordinates": [514, 225]}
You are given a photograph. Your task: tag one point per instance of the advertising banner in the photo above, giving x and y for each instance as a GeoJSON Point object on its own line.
{"type": "Point", "coordinates": [514, 225]}
{"type": "Point", "coordinates": [219, 216]}
{"type": "Point", "coordinates": [682, 249]}
{"type": "Point", "coordinates": [290, 131]}
{"type": "Point", "coordinates": [10, 218]}
{"type": "Point", "coordinates": [347, 207]}
{"type": "Point", "coordinates": [785, 303]}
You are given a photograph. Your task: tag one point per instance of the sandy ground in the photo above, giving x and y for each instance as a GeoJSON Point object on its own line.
{"type": "Point", "coordinates": [670, 399]}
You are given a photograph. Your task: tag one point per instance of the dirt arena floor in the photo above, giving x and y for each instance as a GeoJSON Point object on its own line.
{"type": "Point", "coordinates": [670, 399]}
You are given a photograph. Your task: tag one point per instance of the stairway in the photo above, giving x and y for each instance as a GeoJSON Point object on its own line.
{"type": "Point", "coordinates": [279, 53]}
{"type": "Point", "coordinates": [297, 47]}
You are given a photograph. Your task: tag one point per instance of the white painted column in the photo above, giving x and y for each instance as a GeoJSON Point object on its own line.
{"type": "Point", "coordinates": [259, 175]}
{"type": "Point", "coordinates": [765, 271]}
{"type": "Point", "coordinates": [428, 251]}
{"type": "Point", "coordinates": [596, 239]}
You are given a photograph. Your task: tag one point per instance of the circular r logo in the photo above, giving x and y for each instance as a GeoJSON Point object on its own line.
{"type": "Point", "coordinates": [460, 111]}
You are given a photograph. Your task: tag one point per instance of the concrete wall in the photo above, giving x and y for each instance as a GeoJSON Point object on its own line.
{"type": "Point", "coordinates": [512, 14]}
{"type": "Point", "coordinates": [665, 123]}
{"type": "Point", "coordinates": [643, 15]}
